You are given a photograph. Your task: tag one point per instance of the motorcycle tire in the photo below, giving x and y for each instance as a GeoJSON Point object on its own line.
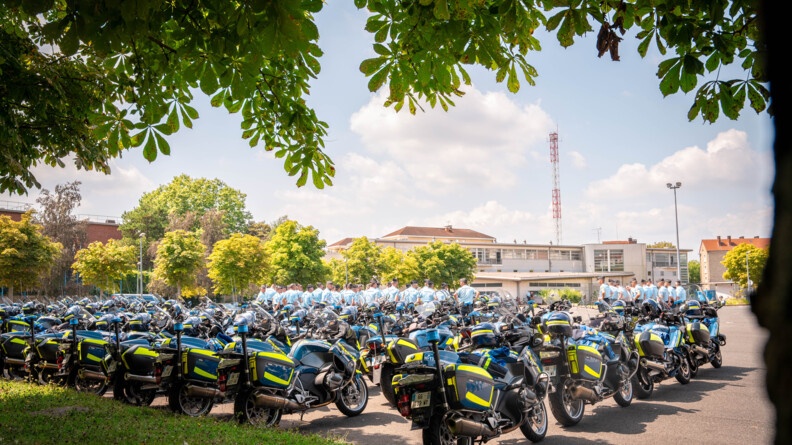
{"type": "Point", "coordinates": [683, 373]}
{"type": "Point", "coordinates": [352, 399]}
{"type": "Point", "coordinates": [386, 383]}
{"type": "Point", "coordinates": [694, 366]}
{"type": "Point", "coordinates": [567, 410]}
{"type": "Point", "coordinates": [643, 385]}
{"type": "Point", "coordinates": [180, 402]}
{"type": "Point", "coordinates": [439, 434]}
{"type": "Point", "coordinates": [534, 428]}
{"type": "Point", "coordinates": [90, 386]}
{"type": "Point", "coordinates": [130, 392]}
{"type": "Point", "coordinates": [624, 394]}
{"type": "Point", "coordinates": [717, 358]}
{"type": "Point", "coordinates": [246, 411]}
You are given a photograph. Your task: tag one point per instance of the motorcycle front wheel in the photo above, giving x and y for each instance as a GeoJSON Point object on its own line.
{"type": "Point", "coordinates": [717, 358]}
{"type": "Point", "coordinates": [353, 398]}
{"type": "Point", "coordinates": [535, 426]}
{"type": "Point", "coordinates": [624, 395]}
{"type": "Point", "coordinates": [180, 402]}
{"type": "Point", "coordinates": [643, 385]}
{"type": "Point", "coordinates": [131, 392]}
{"type": "Point", "coordinates": [683, 373]}
{"type": "Point", "coordinates": [567, 410]}
{"type": "Point", "coordinates": [246, 411]}
{"type": "Point", "coordinates": [693, 363]}
{"type": "Point", "coordinates": [82, 384]}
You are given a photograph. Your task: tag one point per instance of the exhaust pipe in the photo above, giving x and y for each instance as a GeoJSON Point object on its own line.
{"type": "Point", "coordinates": [14, 361]}
{"type": "Point", "coordinates": [93, 375]}
{"type": "Point", "coordinates": [653, 365]}
{"type": "Point", "coordinates": [140, 378]}
{"type": "Point", "coordinates": [202, 391]}
{"type": "Point", "coordinates": [700, 350]}
{"type": "Point", "coordinates": [469, 428]}
{"type": "Point", "coordinates": [277, 402]}
{"type": "Point", "coordinates": [581, 392]}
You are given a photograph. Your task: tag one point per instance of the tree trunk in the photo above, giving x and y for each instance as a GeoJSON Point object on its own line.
{"type": "Point", "coordinates": [772, 303]}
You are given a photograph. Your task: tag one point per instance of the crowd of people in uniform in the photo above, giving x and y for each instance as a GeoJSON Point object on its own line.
{"type": "Point", "coordinates": [671, 294]}
{"type": "Point", "coordinates": [352, 294]}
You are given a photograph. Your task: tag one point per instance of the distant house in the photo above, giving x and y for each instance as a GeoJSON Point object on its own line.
{"type": "Point", "coordinates": [97, 228]}
{"type": "Point", "coordinates": [711, 253]}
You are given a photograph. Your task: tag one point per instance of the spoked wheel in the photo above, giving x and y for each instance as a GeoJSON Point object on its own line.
{"type": "Point", "coordinates": [86, 385]}
{"type": "Point", "coordinates": [717, 358]}
{"type": "Point", "coordinates": [683, 373]}
{"type": "Point", "coordinates": [131, 392]}
{"type": "Point", "coordinates": [180, 402]}
{"type": "Point", "coordinates": [246, 411]}
{"type": "Point", "coordinates": [643, 385]}
{"type": "Point", "coordinates": [535, 426]}
{"type": "Point", "coordinates": [353, 398]}
{"type": "Point", "coordinates": [386, 383]}
{"type": "Point", "coordinates": [624, 395]}
{"type": "Point", "coordinates": [438, 433]}
{"type": "Point", "coordinates": [567, 410]}
{"type": "Point", "coordinates": [693, 363]}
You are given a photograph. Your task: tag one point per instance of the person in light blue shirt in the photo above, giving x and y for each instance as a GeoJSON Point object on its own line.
{"type": "Point", "coordinates": [443, 294]}
{"type": "Point", "coordinates": [662, 292]}
{"type": "Point", "coordinates": [392, 292]}
{"type": "Point", "coordinates": [605, 293]}
{"type": "Point", "coordinates": [427, 293]}
{"type": "Point", "coordinates": [681, 294]}
{"type": "Point", "coordinates": [652, 290]}
{"type": "Point", "coordinates": [331, 296]}
{"type": "Point", "coordinates": [348, 295]}
{"type": "Point", "coordinates": [465, 295]}
{"type": "Point", "coordinates": [372, 294]}
{"type": "Point", "coordinates": [262, 293]}
{"type": "Point", "coordinates": [308, 296]}
{"type": "Point", "coordinates": [410, 293]}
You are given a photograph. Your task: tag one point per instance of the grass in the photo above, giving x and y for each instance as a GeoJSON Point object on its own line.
{"type": "Point", "coordinates": [33, 414]}
{"type": "Point", "coordinates": [737, 301]}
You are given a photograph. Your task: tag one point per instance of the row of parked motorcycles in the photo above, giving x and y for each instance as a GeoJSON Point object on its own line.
{"type": "Point", "coordinates": [459, 374]}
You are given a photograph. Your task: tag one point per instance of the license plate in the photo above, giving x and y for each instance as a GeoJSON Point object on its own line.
{"type": "Point", "coordinates": [550, 370]}
{"type": "Point", "coordinates": [421, 399]}
{"type": "Point", "coordinates": [167, 371]}
{"type": "Point", "coordinates": [376, 375]}
{"type": "Point", "coordinates": [233, 379]}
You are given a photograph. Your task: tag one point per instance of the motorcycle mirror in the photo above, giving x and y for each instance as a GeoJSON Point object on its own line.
{"type": "Point", "coordinates": [432, 336]}
{"type": "Point", "coordinates": [536, 341]}
{"type": "Point", "coordinates": [73, 321]}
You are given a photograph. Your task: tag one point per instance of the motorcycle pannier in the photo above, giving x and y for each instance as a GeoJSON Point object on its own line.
{"type": "Point", "coordinates": [697, 333]}
{"type": "Point", "coordinates": [92, 351]}
{"type": "Point", "coordinates": [139, 359]}
{"type": "Point", "coordinates": [272, 369]}
{"type": "Point", "coordinates": [649, 344]}
{"type": "Point", "coordinates": [469, 387]}
{"type": "Point", "coordinates": [399, 349]}
{"type": "Point", "coordinates": [585, 362]}
{"type": "Point", "coordinates": [200, 364]}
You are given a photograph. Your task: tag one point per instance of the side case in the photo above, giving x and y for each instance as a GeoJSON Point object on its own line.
{"type": "Point", "coordinates": [469, 387]}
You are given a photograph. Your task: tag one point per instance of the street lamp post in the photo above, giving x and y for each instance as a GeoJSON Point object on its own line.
{"type": "Point", "coordinates": [674, 187]}
{"type": "Point", "coordinates": [747, 273]}
{"type": "Point", "coordinates": [140, 267]}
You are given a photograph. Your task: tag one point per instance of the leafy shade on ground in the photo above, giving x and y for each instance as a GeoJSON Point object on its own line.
{"type": "Point", "coordinates": [31, 414]}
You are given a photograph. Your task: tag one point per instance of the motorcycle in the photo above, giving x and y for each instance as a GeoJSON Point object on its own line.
{"type": "Point", "coordinates": [584, 365]}
{"type": "Point", "coordinates": [453, 400]}
{"type": "Point", "coordinates": [659, 342]}
{"type": "Point", "coordinates": [703, 334]}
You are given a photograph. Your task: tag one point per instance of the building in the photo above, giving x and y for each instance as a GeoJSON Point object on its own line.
{"type": "Point", "coordinates": [711, 253]}
{"type": "Point", "coordinates": [521, 267]}
{"type": "Point", "coordinates": [96, 228]}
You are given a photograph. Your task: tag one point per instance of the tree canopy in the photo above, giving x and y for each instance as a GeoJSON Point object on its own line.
{"type": "Point", "coordinates": [236, 263]}
{"type": "Point", "coordinates": [105, 264]}
{"type": "Point", "coordinates": [25, 253]}
{"type": "Point", "coordinates": [180, 255]}
{"type": "Point", "coordinates": [295, 254]}
{"type": "Point", "coordinates": [745, 261]}
{"type": "Point", "coordinates": [117, 75]}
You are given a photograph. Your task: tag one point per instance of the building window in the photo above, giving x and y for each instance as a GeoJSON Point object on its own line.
{"type": "Point", "coordinates": [609, 260]}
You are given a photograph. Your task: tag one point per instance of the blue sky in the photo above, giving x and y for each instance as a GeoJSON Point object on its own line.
{"type": "Point", "coordinates": [483, 165]}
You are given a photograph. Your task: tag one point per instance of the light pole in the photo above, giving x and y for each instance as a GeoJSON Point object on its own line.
{"type": "Point", "coordinates": [747, 273]}
{"type": "Point", "coordinates": [140, 267]}
{"type": "Point", "coordinates": [674, 187]}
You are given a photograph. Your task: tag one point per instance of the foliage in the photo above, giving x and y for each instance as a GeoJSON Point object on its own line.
{"type": "Point", "coordinates": [237, 262]}
{"type": "Point", "coordinates": [186, 200]}
{"type": "Point", "coordinates": [745, 261]}
{"type": "Point", "coordinates": [122, 74]}
{"type": "Point", "coordinates": [180, 255]}
{"type": "Point", "coordinates": [29, 414]}
{"type": "Point", "coordinates": [105, 264]}
{"type": "Point", "coordinates": [694, 271]}
{"type": "Point", "coordinates": [336, 270]}
{"type": "Point", "coordinates": [362, 261]}
{"type": "Point", "coordinates": [295, 254]}
{"type": "Point", "coordinates": [551, 295]}
{"type": "Point", "coordinates": [25, 253]}
{"type": "Point", "coordinates": [441, 262]}
{"type": "Point", "coordinates": [398, 264]}
{"type": "Point", "coordinates": [58, 222]}
{"type": "Point", "coordinates": [661, 245]}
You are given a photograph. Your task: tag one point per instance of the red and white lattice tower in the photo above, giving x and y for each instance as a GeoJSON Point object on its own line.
{"type": "Point", "coordinates": [556, 186]}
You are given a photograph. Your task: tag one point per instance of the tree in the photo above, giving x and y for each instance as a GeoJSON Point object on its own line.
{"type": "Point", "coordinates": [25, 253]}
{"type": "Point", "coordinates": [661, 245]}
{"type": "Point", "coordinates": [397, 264]}
{"type": "Point", "coordinates": [183, 203]}
{"type": "Point", "coordinates": [237, 262]}
{"type": "Point", "coordinates": [105, 264]}
{"type": "Point", "coordinates": [180, 255]}
{"type": "Point", "coordinates": [694, 271]}
{"type": "Point", "coordinates": [441, 262]}
{"type": "Point", "coordinates": [295, 254]}
{"type": "Point", "coordinates": [745, 261]}
{"type": "Point", "coordinates": [124, 76]}
{"type": "Point", "coordinates": [362, 261]}
{"type": "Point", "coordinates": [56, 218]}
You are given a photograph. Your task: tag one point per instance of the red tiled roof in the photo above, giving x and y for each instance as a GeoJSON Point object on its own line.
{"type": "Point", "coordinates": [438, 232]}
{"type": "Point", "coordinates": [728, 243]}
{"type": "Point", "coordinates": [343, 242]}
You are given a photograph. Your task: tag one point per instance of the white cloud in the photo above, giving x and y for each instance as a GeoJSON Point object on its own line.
{"type": "Point", "coordinates": [577, 159]}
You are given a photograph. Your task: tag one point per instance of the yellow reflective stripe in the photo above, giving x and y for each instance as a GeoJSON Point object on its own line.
{"type": "Point", "coordinates": [591, 371]}
{"type": "Point", "coordinates": [588, 349]}
{"type": "Point", "coordinates": [406, 343]}
{"type": "Point", "coordinates": [475, 370]}
{"type": "Point", "coordinates": [478, 400]}
{"type": "Point", "coordinates": [18, 340]}
{"type": "Point", "coordinates": [277, 379]}
{"type": "Point", "coordinates": [203, 373]}
{"type": "Point", "coordinates": [93, 358]}
{"type": "Point", "coordinates": [276, 356]}
{"type": "Point", "coordinates": [482, 331]}
{"type": "Point", "coordinates": [202, 352]}
{"type": "Point", "coordinates": [418, 356]}
{"type": "Point", "coordinates": [555, 322]}
{"type": "Point", "coordinates": [655, 337]}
